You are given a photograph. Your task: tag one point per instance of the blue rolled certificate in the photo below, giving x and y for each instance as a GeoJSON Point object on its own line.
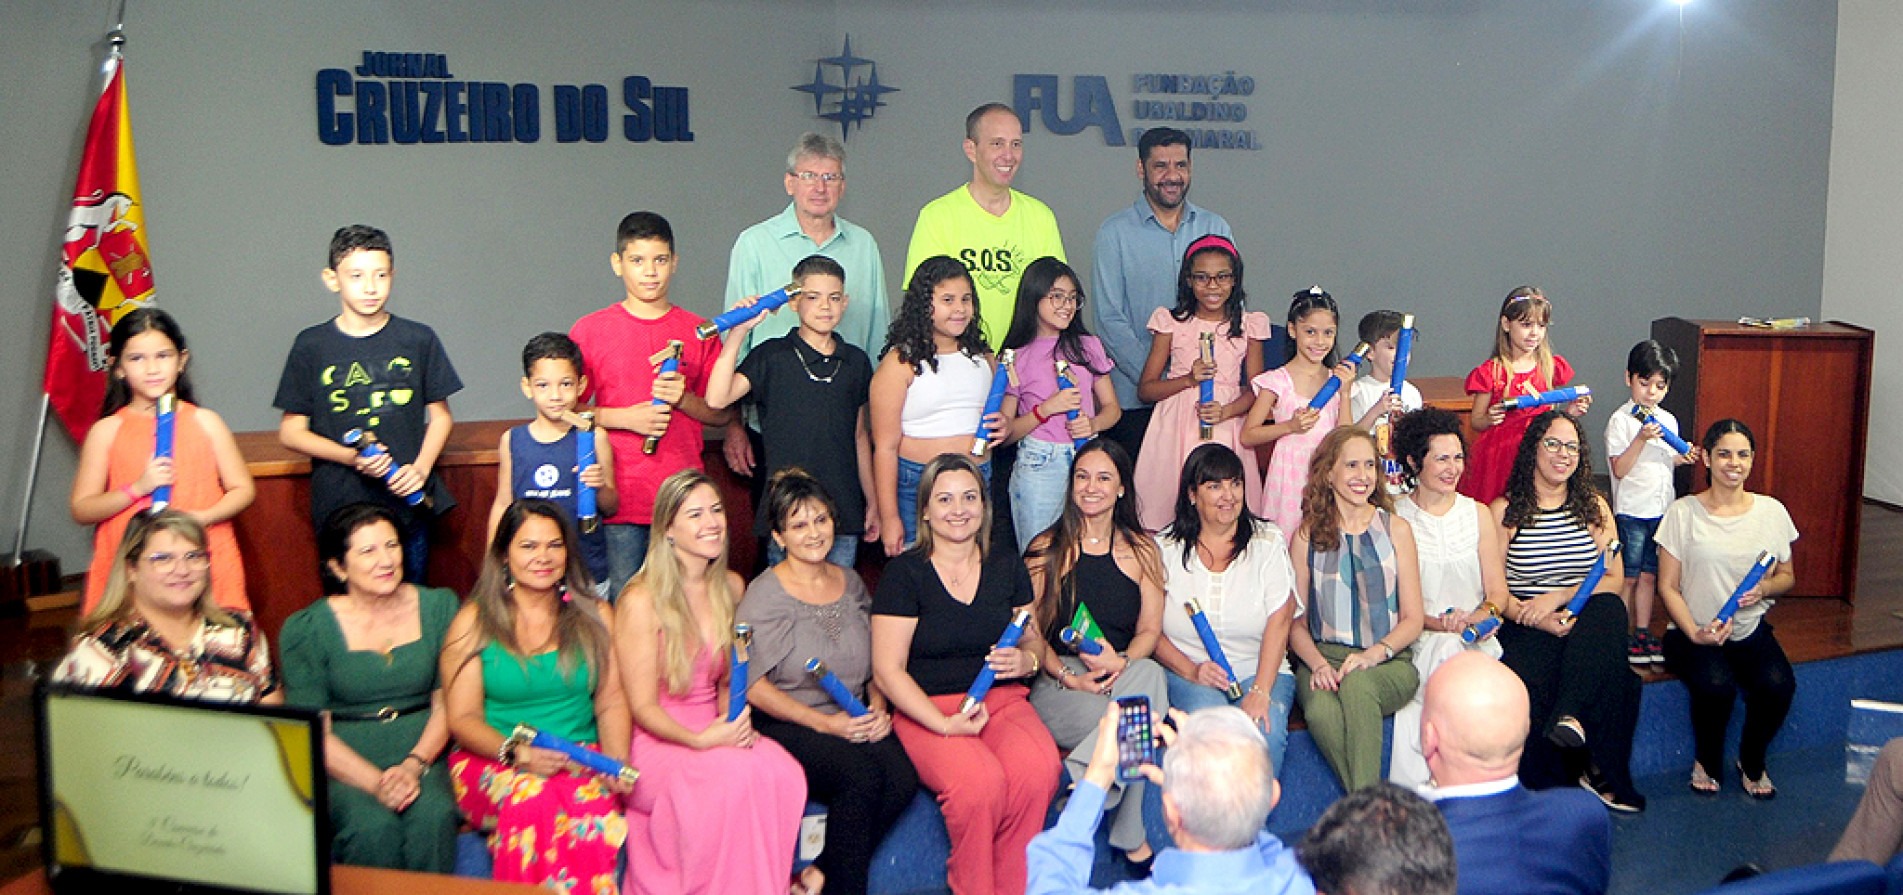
{"type": "Point", "coordinates": [1472, 633]}
{"type": "Point", "coordinates": [1645, 415]}
{"type": "Point", "coordinates": [1206, 393]}
{"type": "Point", "coordinates": [737, 679]}
{"type": "Point", "coordinates": [1000, 381]}
{"type": "Point", "coordinates": [1327, 392]}
{"type": "Point", "coordinates": [369, 448]}
{"type": "Point", "coordinates": [1577, 604]}
{"type": "Point", "coordinates": [670, 363]}
{"type": "Point", "coordinates": [1403, 348]}
{"type": "Point", "coordinates": [836, 688]}
{"type": "Point", "coordinates": [1079, 642]}
{"type": "Point", "coordinates": [1210, 645]}
{"type": "Point", "coordinates": [1063, 382]}
{"type": "Point", "coordinates": [1543, 399]}
{"type": "Point", "coordinates": [162, 446]}
{"type": "Point", "coordinates": [732, 317]}
{"type": "Point", "coordinates": [586, 514]}
{"type": "Point", "coordinates": [987, 676]}
{"type": "Point", "coordinates": [1758, 570]}
{"type": "Point", "coordinates": [577, 753]}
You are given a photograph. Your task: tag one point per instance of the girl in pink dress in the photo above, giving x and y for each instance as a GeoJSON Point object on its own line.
{"type": "Point", "coordinates": [1523, 363]}
{"type": "Point", "coordinates": [1281, 415]}
{"type": "Point", "coordinates": [1209, 299]}
{"type": "Point", "coordinates": [717, 808]}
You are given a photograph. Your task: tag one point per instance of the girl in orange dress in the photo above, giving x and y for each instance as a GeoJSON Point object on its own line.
{"type": "Point", "coordinates": [118, 471]}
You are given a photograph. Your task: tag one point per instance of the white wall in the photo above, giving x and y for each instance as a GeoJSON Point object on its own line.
{"type": "Point", "coordinates": [1863, 269]}
{"type": "Point", "coordinates": [1427, 156]}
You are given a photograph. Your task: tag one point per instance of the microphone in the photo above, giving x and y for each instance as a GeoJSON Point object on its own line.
{"type": "Point", "coordinates": [836, 688]}
{"type": "Point", "coordinates": [162, 445]}
{"type": "Point", "coordinates": [525, 735]}
{"type": "Point", "coordinates": [987, 675]}
{"type": "Point", "coordinates": [732, 317]}
{"type": "Point", "coordinates": [369, 448]}
{"type": "Point", "coordinates": [1556, 396]}
{"type": "Point", "coordinates": [1333, 385]}
{"type": "Point", "coordinates": [1211, 646]}
{"type": "Point", "coordinates": [737, 678]}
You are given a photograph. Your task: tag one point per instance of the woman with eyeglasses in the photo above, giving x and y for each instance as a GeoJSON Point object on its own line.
{"type": "Point", "coordinates": [1584, 699]}
{"type": "Point", "coordinates": [157, 628]}
{"type": "Point", "coordinates": [1048, 328]}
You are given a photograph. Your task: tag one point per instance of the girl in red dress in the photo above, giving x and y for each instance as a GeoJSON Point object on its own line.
{"type": "Point", "coordinates": [1523, 363]}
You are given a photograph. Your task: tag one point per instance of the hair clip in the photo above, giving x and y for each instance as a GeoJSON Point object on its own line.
{"type": "Point", "coordinates": [1316, 291]}
{"type": "Point", "coordinates": [1212, 241]}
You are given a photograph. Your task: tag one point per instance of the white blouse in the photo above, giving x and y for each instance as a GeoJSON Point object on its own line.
{"type": "Point", "coordinates": [1238, 600]}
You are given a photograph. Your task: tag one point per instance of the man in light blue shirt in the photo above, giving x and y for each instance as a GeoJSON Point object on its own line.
{"type": "Point", "coordinates": [1218, 788]}
{"type": "Point", "coordinates": [1139, 251]}
{"type": "Point", "coordinates": [764, 255]}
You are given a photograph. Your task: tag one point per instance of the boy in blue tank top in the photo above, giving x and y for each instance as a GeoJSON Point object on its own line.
{"type": "Point", "coordinates": [538, 458]}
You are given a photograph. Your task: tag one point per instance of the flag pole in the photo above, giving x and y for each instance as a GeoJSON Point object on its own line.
{"type": "Point", "coordinates": [32, 476]}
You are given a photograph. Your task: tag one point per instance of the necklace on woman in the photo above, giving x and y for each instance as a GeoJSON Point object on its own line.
{"type": "Point", "coordinates": [823, 358]}
{"type": "Point", "coordinates": [957, 580]}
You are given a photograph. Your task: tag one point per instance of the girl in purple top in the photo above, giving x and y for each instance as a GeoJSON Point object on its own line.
{"type": "Point", "coordinates": [1048, 327]}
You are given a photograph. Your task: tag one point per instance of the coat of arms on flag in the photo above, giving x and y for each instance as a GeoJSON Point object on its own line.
{"type": "Point", "coordinates": [105, 272]}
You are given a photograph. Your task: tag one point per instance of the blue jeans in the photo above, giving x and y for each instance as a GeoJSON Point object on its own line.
{"type": "Point", "coordinates": [1190, 696]}
{"type": "Point", "coordinates": [1637, 544]}
{"type": "Point", "coordinates": [1040, 483]}
{"type": "Point", "coordinates": [627, 551]}
{"type": "Point", "coordinates": [845, 552]}
{"type": "Point", "coordinates": [416, 551]}
{"type": "Point", "coordinates": [910, 474]}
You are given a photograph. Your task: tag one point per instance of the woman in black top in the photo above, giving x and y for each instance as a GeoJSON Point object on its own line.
{"type": "Point", "coordinates": [1097, 561]}
{"type": "Point", "coordinates": [935, 623]}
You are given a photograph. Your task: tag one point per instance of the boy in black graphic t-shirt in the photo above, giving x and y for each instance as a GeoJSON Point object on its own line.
{"type": "Point", "coordinates": [369, 369]}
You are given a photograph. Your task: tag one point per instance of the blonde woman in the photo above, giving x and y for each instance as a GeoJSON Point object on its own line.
{"type": "Point", "coordinates": [717, 809]}
{"type": "Point", "coordinates": [157, 628]}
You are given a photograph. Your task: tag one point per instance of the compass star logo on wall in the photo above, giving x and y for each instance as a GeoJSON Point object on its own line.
{"type": "Point", "coordinates": [856, 95]}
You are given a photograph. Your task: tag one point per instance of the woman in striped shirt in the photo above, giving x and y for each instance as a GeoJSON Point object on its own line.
{"type": "Point", "coordinates": [1585, 701]}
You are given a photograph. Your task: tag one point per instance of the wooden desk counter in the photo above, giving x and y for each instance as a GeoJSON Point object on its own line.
{"type": "Point", "coordinates": [350, 881]}
{"type": "Point", "coordinates": [280, 544]}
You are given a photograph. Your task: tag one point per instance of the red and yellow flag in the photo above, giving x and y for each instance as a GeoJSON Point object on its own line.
{"type": "Point", "coordinates": [104, 269]}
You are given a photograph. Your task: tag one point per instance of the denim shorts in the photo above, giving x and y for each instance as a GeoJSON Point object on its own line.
{"type": "Point", "coordinates": [1637, 545]}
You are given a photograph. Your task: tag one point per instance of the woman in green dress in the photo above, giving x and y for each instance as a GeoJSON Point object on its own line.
{"type": "Point", "coordinates": [368, 657]}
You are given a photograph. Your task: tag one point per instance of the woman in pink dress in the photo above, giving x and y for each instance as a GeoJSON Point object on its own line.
{"type": "Point", "coordinates": [1209, 299]}
{"type": "Point", "coordinates": [717, 808]}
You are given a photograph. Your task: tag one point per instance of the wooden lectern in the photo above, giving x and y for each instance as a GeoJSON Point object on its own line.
{"type": "Point", "coordinates": [1805, 394]}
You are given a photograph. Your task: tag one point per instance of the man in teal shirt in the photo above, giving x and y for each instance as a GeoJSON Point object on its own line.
{"type": "Point", "coordinates": [1218, 789]}
{"type": "Point", "coordinates": [764, 255]}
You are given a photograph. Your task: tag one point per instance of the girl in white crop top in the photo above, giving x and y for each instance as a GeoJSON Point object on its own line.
{"type": "Point", "coordinates": [929, 391]}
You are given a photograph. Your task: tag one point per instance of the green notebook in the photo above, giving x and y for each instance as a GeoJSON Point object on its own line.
{"type": "Point", "coordinates": [1086, 626]}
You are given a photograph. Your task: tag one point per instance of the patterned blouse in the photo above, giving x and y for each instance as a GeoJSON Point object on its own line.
{"type": "Point", "coordinates": [224, 663]}
{"type": "Point", "coordinates": [1353, 592]}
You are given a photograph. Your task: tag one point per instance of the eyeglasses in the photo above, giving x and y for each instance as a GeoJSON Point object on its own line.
{"type": "Point", "coordinates": [825, 177]}
{"type": "Point", "coordinates": [1221, 279]}
{"type": "Point", "coordinates": [195, 560]}
{"type": "Point", "coordinates": [1555, 446]}
{"type": "Point", "coordinates": [1060, 298]}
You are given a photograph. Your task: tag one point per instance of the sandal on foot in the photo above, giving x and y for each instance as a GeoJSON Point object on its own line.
{"type": "Point", "coordinates": [1761, 788]}
{"type": "Point", "coordinates": [1567, 733]}
{"type": "Point", "coordinates": [1702, 783]}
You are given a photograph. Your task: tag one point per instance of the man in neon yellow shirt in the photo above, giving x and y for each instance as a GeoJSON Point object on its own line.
{"type": "Point", "coordinates": [995, 230]}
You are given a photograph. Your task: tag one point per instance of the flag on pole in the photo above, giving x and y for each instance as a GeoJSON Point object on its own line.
{"type": "Point", "coordinates": [104, 269]}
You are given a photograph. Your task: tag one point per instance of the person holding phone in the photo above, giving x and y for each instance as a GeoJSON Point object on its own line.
{"type": "Point", "coordinates": [1218, 788]}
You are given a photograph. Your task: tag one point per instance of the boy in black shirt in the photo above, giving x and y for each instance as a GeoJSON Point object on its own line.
{"type": "Point", "coordinates": [369, 369]}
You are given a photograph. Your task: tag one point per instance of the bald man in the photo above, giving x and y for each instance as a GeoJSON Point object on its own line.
{"type": "Point", "coordinates": [1507, 839]}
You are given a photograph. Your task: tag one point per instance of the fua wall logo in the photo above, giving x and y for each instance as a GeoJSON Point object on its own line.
{"type": "Point", "coordinates": [1210, 113]}
{"type": "Point", "coordinates": [409, 98]}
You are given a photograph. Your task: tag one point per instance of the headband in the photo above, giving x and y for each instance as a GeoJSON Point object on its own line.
{"type": "Point", "coordinates": [1212, 241]}
{"type": "Point", "coordinates": [1528, 297]}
